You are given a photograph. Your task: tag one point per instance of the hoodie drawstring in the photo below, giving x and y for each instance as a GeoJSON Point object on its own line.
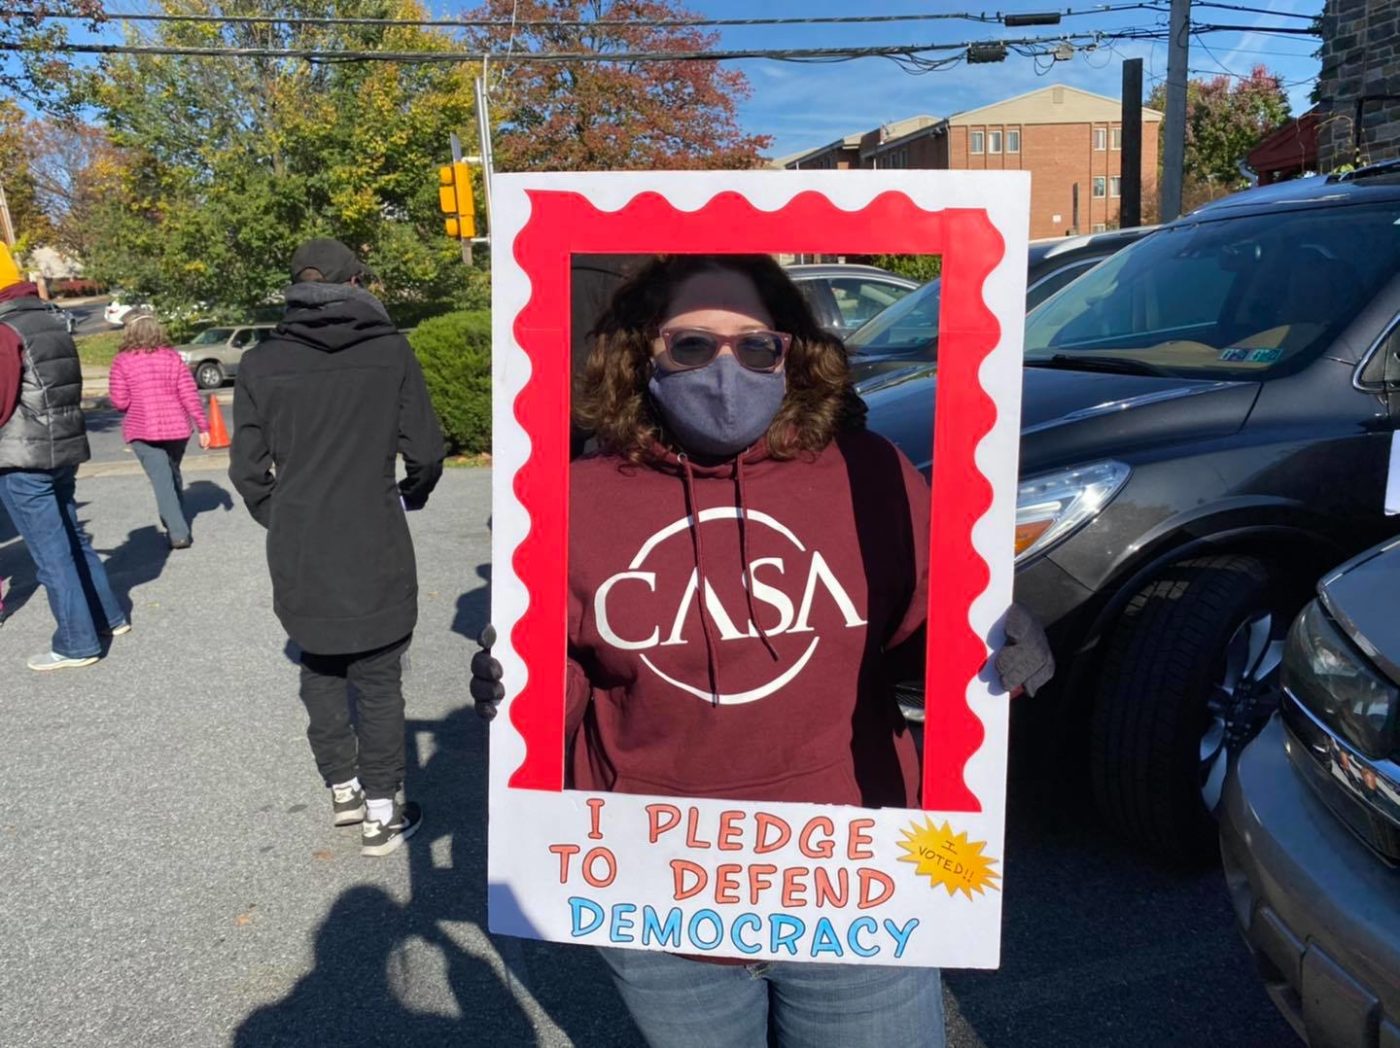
{"type": "Point", "coordinates": [744, 556]}
{"type": "Point", "coordinates": [711, 652]}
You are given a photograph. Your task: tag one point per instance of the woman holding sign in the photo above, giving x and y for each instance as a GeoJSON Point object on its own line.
{"type": "Point", "coordinates": [748, 580]}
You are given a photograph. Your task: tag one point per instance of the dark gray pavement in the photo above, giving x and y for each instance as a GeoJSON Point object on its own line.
{"type": "Point", "coordinates": [170, 878]}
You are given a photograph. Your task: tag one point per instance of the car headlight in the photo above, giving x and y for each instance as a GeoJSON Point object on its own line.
{"type": "Point", "coordinates": [1052, 505]}
{"type": "Point", "coordinates": [1323, 671]}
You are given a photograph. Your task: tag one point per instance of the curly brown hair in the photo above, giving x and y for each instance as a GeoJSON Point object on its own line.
{"type": "Point", "coordinates": [610, 397]}
{"type": "Point", "coordinates": [143, 333]}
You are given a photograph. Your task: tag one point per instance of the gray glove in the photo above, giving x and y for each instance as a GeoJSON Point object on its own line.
{"type": "Point", "coordinates": [486, 687]}
{"type": "Point", "coordinates": [1025, 662]}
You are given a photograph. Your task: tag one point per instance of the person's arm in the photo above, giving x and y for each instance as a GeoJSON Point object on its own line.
{"type": "Point", "coordinates": [190, 400]}
{"type": "Point", "coordinates": [9, 372]}
{"type": "Point", "coordinates": [118, 385]}
{"type": "Point", "coordinates": [420, 436]}
{"type": "Point", "coordinates": [250, 461]}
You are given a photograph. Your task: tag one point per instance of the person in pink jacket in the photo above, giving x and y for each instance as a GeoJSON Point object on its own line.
{"type": "Point", "coordinates": [151, 384]}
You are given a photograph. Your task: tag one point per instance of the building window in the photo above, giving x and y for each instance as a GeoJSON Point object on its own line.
{"type": "Point", "coordinates": [1013, 141]}
{"type": "Point", "coordinates": [1117, 138]}
{"type": "Point", "coordinates": [1100, 186]}
{"type": "Point", "coordinates": [1099, 227]}
{"type": "Point", "coordinates": [994, 142]}
{"type": "Point", "coordinates": [1100, 138]}
{"type": "Point", "coordinates": [975, 142]}
{"type": "Point", "coordinates": [1115, 186]}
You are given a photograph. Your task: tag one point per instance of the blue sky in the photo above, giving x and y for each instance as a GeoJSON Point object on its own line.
{"type": "Point", "coordinates": [805, 106]}
{"type": "Point", "coordinates": [808, 105]}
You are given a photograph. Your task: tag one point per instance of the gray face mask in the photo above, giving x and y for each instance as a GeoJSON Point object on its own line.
{"type": "Point", "coordinates": [720, 409]}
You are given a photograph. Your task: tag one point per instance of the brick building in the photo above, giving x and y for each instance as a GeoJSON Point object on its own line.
{"type": "Point", "coordinates": [1360, 83]}
{"type": "Point", "coordinates": [1070, 140]}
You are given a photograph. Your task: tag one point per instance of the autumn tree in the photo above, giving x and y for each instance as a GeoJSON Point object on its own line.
{"type": "Point", "coordinates": [228, 163]}
{"type": "Point", "coordinates": [1225, 119]}
{"type": "Point", "coordinates": [73, 168]}
{"type": "Point", "coordinates": [34, 64]}
{"type": "Point", "coordinates": [597, 115]}
{"type": "Point", "coordinates": [27, 215]}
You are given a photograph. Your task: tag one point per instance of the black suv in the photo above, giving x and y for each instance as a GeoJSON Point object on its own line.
{"type": "Point", "coordinates": [1206, 427]}
{"type": "Point", "coordinates": [906, 333]}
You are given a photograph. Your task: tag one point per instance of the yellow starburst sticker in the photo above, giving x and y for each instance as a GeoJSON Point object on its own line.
{"type": "Point", "coordinates": [949, 859]}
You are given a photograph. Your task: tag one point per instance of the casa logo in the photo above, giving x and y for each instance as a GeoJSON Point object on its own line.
{"type": "Point", "coordinates": [774, 582]}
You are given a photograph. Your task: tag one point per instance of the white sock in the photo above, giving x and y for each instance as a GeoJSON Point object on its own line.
{"type": "Point", "coordinates": [381, 810]}
{"type": "Point", "coordinates": [353, 784]}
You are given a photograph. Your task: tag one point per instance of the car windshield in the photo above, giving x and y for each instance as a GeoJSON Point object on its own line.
{"type": "Point", "coordinates": [905, 327]}
{"type": "Point", "coordinates": [1251, 297]}
{"type": "Point", "coordinates": [209, 336]}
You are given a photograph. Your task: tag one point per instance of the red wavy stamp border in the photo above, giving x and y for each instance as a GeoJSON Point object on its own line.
{"type": "Point", "coordinates": [562, 223]}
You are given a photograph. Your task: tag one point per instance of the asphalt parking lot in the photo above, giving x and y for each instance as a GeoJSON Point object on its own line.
{"type": "Point", "coordinates": [171, 877]}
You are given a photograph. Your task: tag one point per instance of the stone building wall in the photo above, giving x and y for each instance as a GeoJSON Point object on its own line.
{"type": "Point", "coordinates": [1360, 60]}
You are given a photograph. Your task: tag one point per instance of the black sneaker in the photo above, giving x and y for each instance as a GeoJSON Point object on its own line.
{"type": "Point", "coordinates": [347, 805]}
{"type": "Point", "coordinates": [377, 838]}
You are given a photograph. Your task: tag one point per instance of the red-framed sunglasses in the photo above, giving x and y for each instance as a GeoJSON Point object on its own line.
{"type": "Point", "coordinates": [691, 348]}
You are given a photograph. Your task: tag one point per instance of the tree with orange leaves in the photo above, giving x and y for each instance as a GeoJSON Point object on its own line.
{"type": "Point", "coordinates": [593, 115]}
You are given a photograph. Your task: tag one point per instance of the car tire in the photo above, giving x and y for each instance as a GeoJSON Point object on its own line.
{"type": "Point", "coordinates": [209, 375]}
{"type": "Point", "coordinates": [1189, 675]}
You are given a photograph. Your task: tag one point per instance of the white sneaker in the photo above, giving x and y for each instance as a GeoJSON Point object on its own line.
{"type": "Point", "coordinates": [52, 660]}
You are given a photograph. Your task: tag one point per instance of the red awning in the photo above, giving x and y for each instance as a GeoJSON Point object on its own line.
{"type": "Point", "coordinates": [1289, 151]}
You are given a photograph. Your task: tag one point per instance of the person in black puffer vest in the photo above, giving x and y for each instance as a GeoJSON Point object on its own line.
{"type": "Point", "coordinates": [321, 409]}
{"type": "Point", "coordinates": [42, 440]}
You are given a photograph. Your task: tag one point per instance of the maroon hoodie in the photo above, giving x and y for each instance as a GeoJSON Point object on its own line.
{"type": "Point", "coordinates": [800, 707]}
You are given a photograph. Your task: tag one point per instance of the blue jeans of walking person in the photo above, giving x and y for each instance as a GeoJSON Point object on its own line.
{"type": "Point", "coordinates": [680, 1003]}
{"type": "Point", "coordinates": [42, 508]}
{"type": "Point", "coordinates": [161, 461]}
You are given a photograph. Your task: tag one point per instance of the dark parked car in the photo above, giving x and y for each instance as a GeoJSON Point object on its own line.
{"type": "Point", "coordinates": [1310, 830]}
{"type": "Point", "coordinates": [843, 297]}
{"type": "Point", "coordinates": [1206, 425]}
{"type": "Point", "coordinates": [906, 333]}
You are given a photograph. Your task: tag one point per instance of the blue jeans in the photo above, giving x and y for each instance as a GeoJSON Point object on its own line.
{"type": "Point", "coordinates": [41, 506]}
{"type": "Point", "coordinates": [680, 1003]}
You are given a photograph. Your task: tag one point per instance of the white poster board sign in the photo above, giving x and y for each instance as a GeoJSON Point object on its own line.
{"type": "Point", "coordinates": [735, 878]}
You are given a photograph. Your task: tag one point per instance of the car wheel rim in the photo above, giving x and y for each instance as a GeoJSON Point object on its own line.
{"type": "Point", "coordinates": [1242, 700]}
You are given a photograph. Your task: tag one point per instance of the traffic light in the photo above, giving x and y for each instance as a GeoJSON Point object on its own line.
{"type": "Point", "coordinates": [456, 200]}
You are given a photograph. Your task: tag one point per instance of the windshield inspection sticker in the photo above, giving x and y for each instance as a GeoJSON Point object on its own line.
{"type": "Point", "coordinates": [1392, 480]}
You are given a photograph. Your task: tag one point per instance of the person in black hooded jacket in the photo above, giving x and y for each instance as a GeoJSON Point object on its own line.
{"type": "Point", "coordinates": [321, 410]}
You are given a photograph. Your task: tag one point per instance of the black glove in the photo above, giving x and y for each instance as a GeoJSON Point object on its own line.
{"type": "Point", "coordinates": [487, 689]}
{"type": "Point", "coordinates": [1025, 661]}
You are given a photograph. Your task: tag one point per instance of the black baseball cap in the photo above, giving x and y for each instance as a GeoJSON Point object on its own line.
{"type": "Point", "coordinates": [337, 263]}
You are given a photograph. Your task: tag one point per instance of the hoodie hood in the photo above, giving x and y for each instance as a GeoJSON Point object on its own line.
{"type": "Point", "coordinates": [330, 317]}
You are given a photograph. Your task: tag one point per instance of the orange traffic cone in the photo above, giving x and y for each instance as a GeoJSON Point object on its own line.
{"type": "Point", "coordinates": [218, 435]}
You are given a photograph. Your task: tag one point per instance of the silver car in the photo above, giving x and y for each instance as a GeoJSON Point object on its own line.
{"type": "Point", "coordinates": [1310, 831]}
{"type": "Point", "coordinates": [215, 352]}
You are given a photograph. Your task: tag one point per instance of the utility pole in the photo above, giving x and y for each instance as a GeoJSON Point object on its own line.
{"type": "Point", "coordinates": [7, 226]}
{"type": "Point", "coordinates": [1174, 147]}
{"type": "Point", "coordinates": [1130, 159]}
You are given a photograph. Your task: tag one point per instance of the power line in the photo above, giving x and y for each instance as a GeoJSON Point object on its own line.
{"type": "Point", "coordinates": [1251, 10]}
{"type": "Point", "coordinates": [903, 51]}
{"type": "Point", "coordinates": [611, 23]}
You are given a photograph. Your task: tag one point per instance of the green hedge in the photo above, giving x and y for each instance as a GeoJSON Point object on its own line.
{"type": "Point", "coordinates": [455, 351]}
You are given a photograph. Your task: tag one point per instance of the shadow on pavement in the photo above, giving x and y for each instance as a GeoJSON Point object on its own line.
{"type": "Point", "coordinates": [474, 607]}
{"type": "Point", "coordinates": [142, 557]}
{"type": "Point", "coordinates": [354, 996]}
{"type": "Point", "coordinates": [1095, 950]}
{"type": "Point", "coordinates": [17, 578]}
